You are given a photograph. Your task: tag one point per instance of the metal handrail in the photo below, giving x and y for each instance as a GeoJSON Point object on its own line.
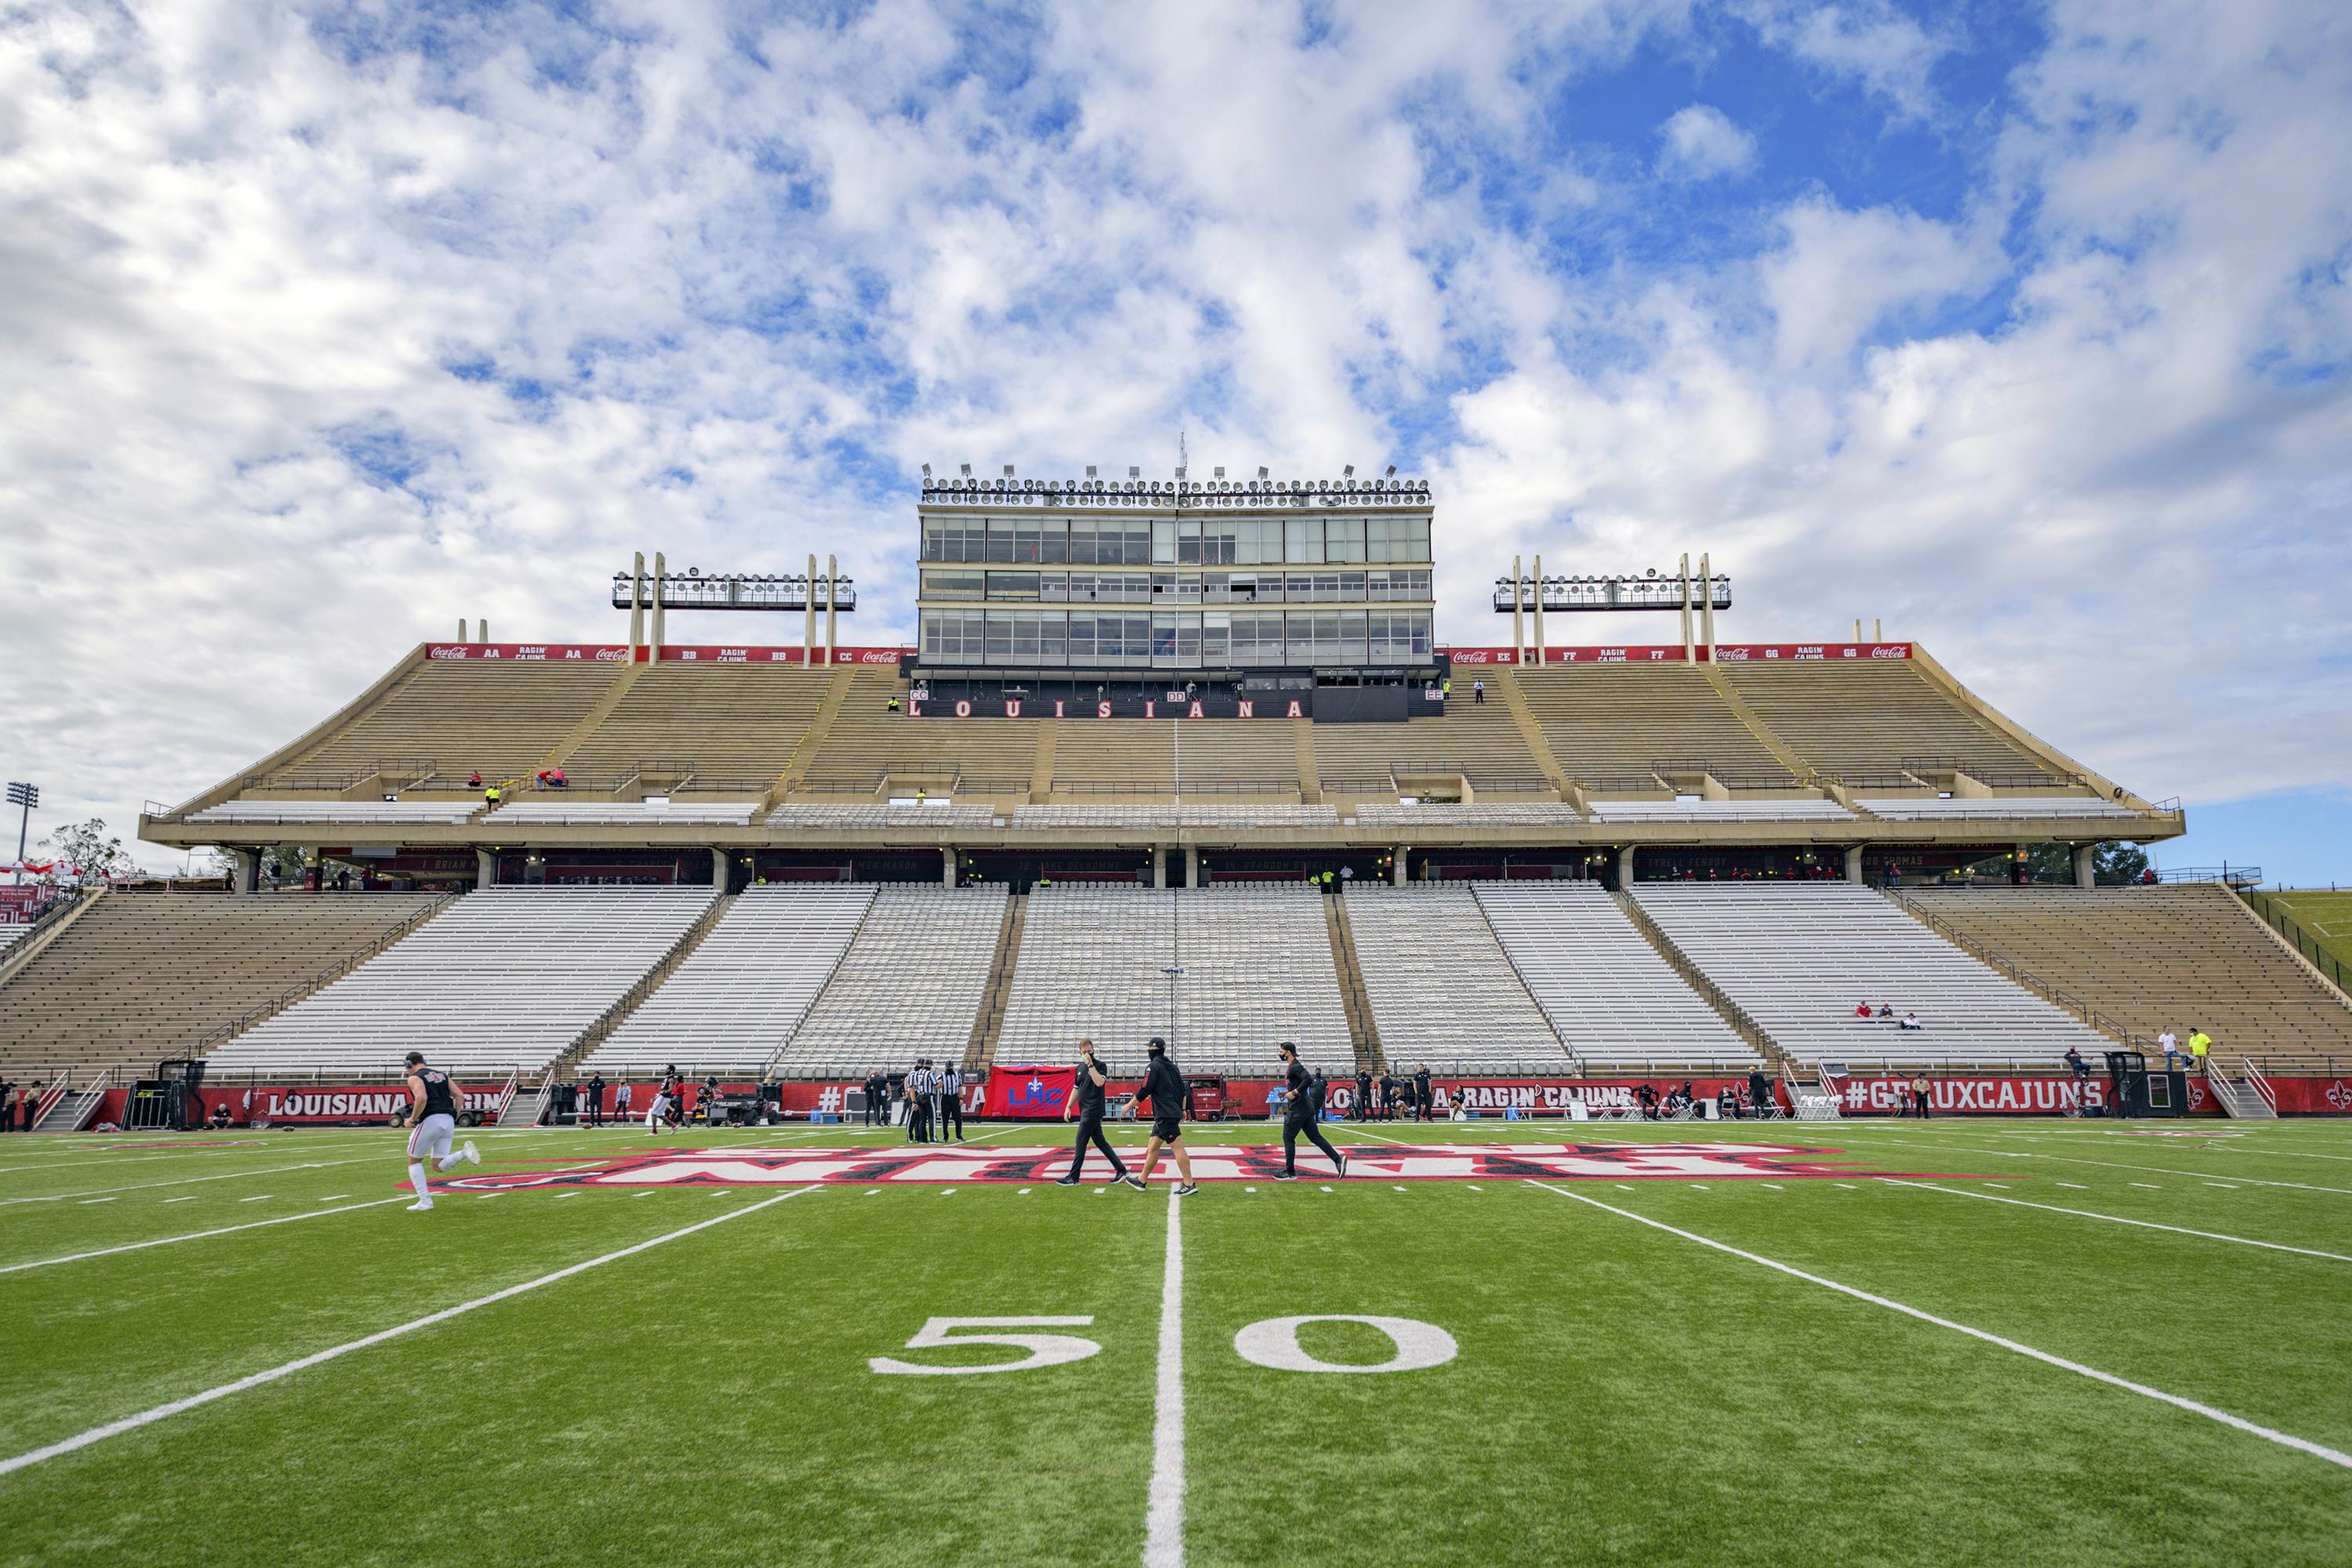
{"type": "Point", "coordinates": [2261, 1085]}
{"type": "Point", "coordinates": [2265, 907]}
{"type": "Point", "coordinates": [2008, 967]}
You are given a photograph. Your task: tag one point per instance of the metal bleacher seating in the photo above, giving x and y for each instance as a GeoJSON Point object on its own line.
{"type": "Point", "coordinates": [1441, 989]}
{"type": "Point", "coordinates": [1799, 957]}
{"type": "Point", "coordinates": [1920, 809]}
{"type": "Point", "coordinates": [324, 811]}
{"type": "Point", "coordinates": [1753, 809]}
{"type": "Point", "coordinates": [559, 806]}
{"type": "Point", "coordinates": [1193, 814]}
{"type": "Point", "coordinates": [1478, 814]}
{"type": "Point", "coordinates": [1617, 1003]}
{"type": "Point", "coordinates": [911, 984]}
{"type": "Point", "coordinates": [735, 1000]}
{"type": "Point", "coordinates": [941, 815]}
{"type": "Point", "coordinates": [508, 979]}
{"type": "Point", "coordinates": [1258, 971]}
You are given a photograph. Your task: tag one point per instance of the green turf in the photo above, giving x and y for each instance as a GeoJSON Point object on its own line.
{"type": "Point", "coordinates": [1620, 1394]}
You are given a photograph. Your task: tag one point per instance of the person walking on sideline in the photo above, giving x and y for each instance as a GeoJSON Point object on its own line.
{"type": "Point", "coordinates": [432, 1110]}
{"type": "Point", "coordinates": [1164, 1086]}
{"type": "Point", "coordinates": [1301, 1113]}
{"type": "Point", "coordinates": [1085, 1107]}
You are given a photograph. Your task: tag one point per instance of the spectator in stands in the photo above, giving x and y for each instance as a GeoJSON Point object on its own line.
{"type": "Point", "coordinates": [556, 780]}
{"type": "Point", "coordinates": [1862, 1009]}
{"type": "Point", "coordinates": [2169, 1045]}
{"type": "Point", "coordinates": [1478, 692]}
{"type": "Point", "coordinates": [1760, 1093]}
{"type": "Point", "coordinates": [891, 706]}
{"type": "Point", "coordinates": [1886, 1009]}
{"type": "Point", "coordinates": [1919, 1096]}
{"type": "Point", "coordinates": [474, 779]}
{"type": "Point", "coordinates": [1910, 1021]}
{"type": "Point", "coordinates": [542, 778]}
{"type": "Point", "coordinates": [2200, 1046]}
{"type": "Point", "coordinates": [490, 795]}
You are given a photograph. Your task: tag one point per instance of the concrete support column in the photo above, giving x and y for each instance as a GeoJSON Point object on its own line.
{"type": "Point", "coordinates": [832, 611]}
{"type": "Point", "coordinates": [1518, 618]}
{"type": "Point", "coordinates": [1396, 864]}
{"type": "Point", "coordinates": [1625, 870]}
{"type": "Point", "coordinates": [808, 636]}
{"type": "Point", "coordinates": [637, 605]}
{"type": "Point", "coordinates": [1539, 637]}
{"type": "Point", "coordinates": [661, 581]}
{"type": "Point", "coordinates": [1160, 867]}
{"type": "Point", "coordinates": [947, 869]}
{"type": "Point", "coordinates": [1684, 570]}
{"type": "Point", "coordinates": [719, 868]}
{"type": "Point", "coordinates": [245, 865]}
{"type": "Point", "coordinates": [2086, 865]}
{"type": "Point", "coordinates": [485, 868]}
{"type": "Point", "coordinates": [1854, 862]}
{"type": "Point", "coordinates": [1192, 865]}
{"type": "Point", "coordinates": [1707, 606]}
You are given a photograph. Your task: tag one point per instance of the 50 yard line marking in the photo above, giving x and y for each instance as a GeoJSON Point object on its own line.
{"type": "Point", "coordinates": [1163, 1529]}
{"type": "Point", "coordinates": [302, 1363]}
{"type": "Point", "coordinates": [2285, 1440]}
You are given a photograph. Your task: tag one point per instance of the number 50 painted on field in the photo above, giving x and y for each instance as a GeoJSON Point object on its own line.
{"type": "Point", "coordinates": [1273, 1342]}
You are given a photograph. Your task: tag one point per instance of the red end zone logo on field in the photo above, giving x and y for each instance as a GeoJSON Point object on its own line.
{"type": "Point", "coordinates": [958, 1167]}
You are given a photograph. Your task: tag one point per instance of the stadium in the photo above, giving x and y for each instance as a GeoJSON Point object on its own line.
{"type": "Point", "coordinates": [1748, 905]}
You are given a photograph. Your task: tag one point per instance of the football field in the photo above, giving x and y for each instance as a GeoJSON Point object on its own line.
{"type": "Point", "coordinates": [1519, 1342]}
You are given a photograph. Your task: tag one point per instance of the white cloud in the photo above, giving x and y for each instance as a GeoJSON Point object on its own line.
{"type": "Point", "coordinates": [1701, 142]}
{"type": "Point", "coordinates": [715, 289]}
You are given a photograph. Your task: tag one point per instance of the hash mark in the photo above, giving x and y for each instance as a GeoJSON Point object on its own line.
{"type": "Point", "coordinates": [255, 1199]}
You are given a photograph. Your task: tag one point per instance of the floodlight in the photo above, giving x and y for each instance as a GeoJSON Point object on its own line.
{"type": "Point", "coordinates": [1261, 470]}
{"type": "Point", "coordinates": [1392, 473]}
{"type": "Point", "coordinates": [1348, 472]}
{"type": "Point", "coordinates": [967, 470]}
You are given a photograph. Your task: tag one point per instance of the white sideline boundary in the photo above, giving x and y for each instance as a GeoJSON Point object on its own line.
{"type": "Point", "coordinates": [1163, 1519]}
{"type": "Point", "coordinates": [192, 1236]}
{"type": "Point", "coordinates": [2285, 1440]}
{"type": "Point", "coordinates": [302, 1363]}
{"type": "Point", "coordinates": [191, 1181]}
{"type": "Point", "coordinates": [2118, 1219]}
{"type": "Point", "coordinates": [2117, 1166]}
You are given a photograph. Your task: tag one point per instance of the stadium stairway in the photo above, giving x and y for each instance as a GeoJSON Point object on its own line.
{"type": "Point", "coordinates": [981, 1052]}
{"type": "Point", "coordinates": [561, 752]}
{"type": "Point", "coordinates": [1514, 698]}
{"type": "Point", "coordinates": [1798, 767]}
{"type": "Point", "coordinates": [1361, 1031]}
{"type": "Point", "coordinates": [1759, 1039]}
{"type": "Point", "coordinates": [597, 1033]}
{"type": "Point", "coordinates": [811, 741]}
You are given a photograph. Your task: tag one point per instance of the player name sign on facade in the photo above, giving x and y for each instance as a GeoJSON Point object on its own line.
{"type": "Point", "coordinates": [957, 1167]}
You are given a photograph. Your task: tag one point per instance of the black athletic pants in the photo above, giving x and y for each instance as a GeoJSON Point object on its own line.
{"type": "Point", "coordinates": [1291, 1126]}
{"type": "Point", "coordinates": [952, 1109]}
{"type": "Point", "coordinates": [919, 1121]}
{"type": "Point", "coordinates": [1090, 1131]}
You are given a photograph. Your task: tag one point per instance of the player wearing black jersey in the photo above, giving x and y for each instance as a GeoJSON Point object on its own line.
{"type": "Point", "coordinates": [1163, 1087]}
{"type": "Point", "coordinates": [1300, 1113]}
{"type": "Point", "coordinates": [1085, 1107]}
{"type": "Point", "coordinates": [433, 1111]}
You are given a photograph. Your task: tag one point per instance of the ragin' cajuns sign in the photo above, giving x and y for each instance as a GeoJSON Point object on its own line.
{"type": "Point", "coordinates": [307, 1104]}
{"type": "Point", "coordinates": [901, 1162]}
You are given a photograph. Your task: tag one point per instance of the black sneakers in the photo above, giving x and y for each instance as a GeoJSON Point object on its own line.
{"type": "Point", "coordinates": [1343, 1165]}
{"type": "Point", "coordinates": [1186, 1189]}
{"type": "Point", "coordinates": [1285, 1175]}
{"type": "Point", "coordinates": [1067, 1182]}
{"type": "Point", "coordinates": [1132, 1180]}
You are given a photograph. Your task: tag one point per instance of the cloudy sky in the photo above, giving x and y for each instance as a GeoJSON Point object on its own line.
{"type": "Point", "coordinates": [2024, 328]}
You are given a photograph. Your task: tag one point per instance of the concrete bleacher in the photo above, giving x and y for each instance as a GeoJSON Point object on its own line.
{"type": "Point", "coordinates": [139, 978]}
{"type": "Point", "coordinates": [1799, 957]}
{"type": "Point", "coordinates": [867, 741]}
{"type": "Point", "coordinates": [1479, 741]}
{"type": "Point", "coordinates": [509, 978]}
{"type": "Point", "coordinates": [1454, 813]}
{"type": "Point", "coordinates": [497, 717]}
{"type": "Point", "coordinates": [936, 813]}
{"type": "Point", "coordinates": [1441, 991]}
{"type": "Point", "coordinates": [1190, 814]}
{"type": "Point", "coordinates": [733, 722]}
{"type": "Point", "coordinates": [1865, 719]}
{"type": "Point", "coordinates": [1258, 971]}
{"type": "Point", "coordinates": [1615, 723]}
{"type": "Point", "coordinates": [735, 1000]}
{"type": "Point", "coordinates": [911, 984]}
{"type": "Point", "coordinates": [562, 806]}
{"type": "Point", "coordinates": [2189, 956]}
{"type": "Point", "coordinates": [1617, 1003]}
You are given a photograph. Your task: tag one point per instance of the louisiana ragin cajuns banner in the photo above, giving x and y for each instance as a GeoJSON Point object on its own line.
{"type": "Point", "coordinates": [321, 1103]}
{"type": "Point", "coordinates": [958, 1165]}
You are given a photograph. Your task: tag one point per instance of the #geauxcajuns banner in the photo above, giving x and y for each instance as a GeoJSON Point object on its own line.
{"type": "Point", "coordinates": [1972, 1096]}
{"type": "Point", "coordinates": [895, 1163]}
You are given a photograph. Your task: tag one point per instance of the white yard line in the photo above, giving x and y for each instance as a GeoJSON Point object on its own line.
{"type": "Point", "coordinates": [1362, 1132]}
{"type": "Point", "coordinates": [2146, 1170]}
{"type": "Point", "coordinates": [1163, 1532]}
{"type": "Point", "coordinates": [2285, 1440]}
{"type": "Point", "coordinates": [287, 1369]}
{"type": "Point", "coordinates": [191, 1235]}
{"type": "Point", "coordinates": [191, 1181]}
{"type": "Point", "coordinates": [2118, 1219]}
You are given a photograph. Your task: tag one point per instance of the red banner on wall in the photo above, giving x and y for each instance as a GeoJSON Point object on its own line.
{"type": "Point", "coordinates": [312, 1104]}
{"type": "Point", "coordinates": [1764, 652]}
{"type": "Point", "coordinates": [1479, 654]}
{"type": "Point", "coordinates": [870, 655]}
{"type": "Point", "coordinates": [1673, 655]}
{"type": "Point", "coordinates": [527, 652]}
{"type": "Point", "coordinates": [700, 653]}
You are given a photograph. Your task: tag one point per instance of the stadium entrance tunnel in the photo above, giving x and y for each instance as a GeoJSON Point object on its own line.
{"type": "Point", "coordinates": [1045, 1162]}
